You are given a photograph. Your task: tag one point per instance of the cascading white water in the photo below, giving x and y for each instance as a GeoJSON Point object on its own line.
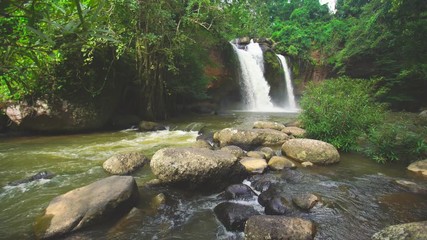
{"type": "Point", "coordinates": [290, 104]}
{"type": "Point", "coordinates": [255, 87]}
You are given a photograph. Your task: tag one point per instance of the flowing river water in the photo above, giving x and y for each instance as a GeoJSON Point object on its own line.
{"type": "Point", "coordinates": [359, 196]}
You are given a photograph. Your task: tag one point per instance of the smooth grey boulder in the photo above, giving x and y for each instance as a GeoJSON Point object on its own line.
{"type": "Point", "coordinates": [278, 227]}
{"type": "Point", "coordinates": [87, 205]}
{"type": "Point", "coordinates": [310, 150]}
{"type": "Point", "coordinates": [248, 139]}
{"type": "Point", "coordinates": [124, 163]}
{"type": "Point", "coordinates": [234, 215]}
{"type": "Point", "coordinates": [406, 231]}
{"type": "Point", "coordinates": [195, 167]}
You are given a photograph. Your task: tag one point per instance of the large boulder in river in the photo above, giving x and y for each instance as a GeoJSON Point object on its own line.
{"type": "Point", "coordinates": [87, 205]}
{"type": "Point", "coordinates": [278, 227]}
{"type": "Point", "coordinates": [407, 231]}
{"type": "Point", "coordinates": [248, 139]}
{"type": "Point", "coordinates": [59, 115]}
{"type": "Point", "coordinates": [419, 167]}
{"type": "Point", "coordinates": [147, 126]}
{"type": "Point", "coordinates": [310, 150]}
{"type": "Point", "coordinates": [234, 215]}
{"type": "Point", "coordinates": [124, 163]}
{"type": "Point", "coordinates": [195, 167]}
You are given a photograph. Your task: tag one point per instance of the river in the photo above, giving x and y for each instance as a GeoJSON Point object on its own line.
{"type": "Point", "coordinates": [359, 196]}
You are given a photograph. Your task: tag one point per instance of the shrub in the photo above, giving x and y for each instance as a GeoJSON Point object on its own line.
{"type": "Point", "coordinates": [395, 141]}
{"type": "Point", "coordinates": [339, 111]}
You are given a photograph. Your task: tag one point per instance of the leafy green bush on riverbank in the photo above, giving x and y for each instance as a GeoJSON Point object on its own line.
{"type": "Point", "coordinates": [339, 111]}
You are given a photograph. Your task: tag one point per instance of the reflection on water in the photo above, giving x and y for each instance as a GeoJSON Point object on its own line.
{"type": "Point", "coordinates": [359, 196]}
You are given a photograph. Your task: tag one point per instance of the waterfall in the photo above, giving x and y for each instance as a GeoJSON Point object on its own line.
{"type": "Point", "coordinates": [290, 104]}
{"type": "Point", "coordinates": [255, 88]}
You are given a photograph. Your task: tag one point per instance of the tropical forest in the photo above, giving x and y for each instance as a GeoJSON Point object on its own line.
{"type": "Point", "coordinates": [213, 119]}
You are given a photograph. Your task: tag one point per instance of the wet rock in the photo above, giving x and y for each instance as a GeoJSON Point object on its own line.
{"type": "Point", "coordinates": [279, 163]}
{"type": "Point", "coordinates": [255, 154]}
{"type": "Point", "coordinates": [146, 126]}
{"type": "Point", "coordinates": [407, 231]}
{"type": "Point", "coordinates": [294, 131]}
{"type": "Point", "coordinates": [419, 167]}
{"type": "Point", "coordinates": [124, 163]}
{"type": "Point", "coordinates": [249, 139]}
{"type": "Point", "coordinates": [412, 187]}
{"type": "Point", "coordinates": [268, 152]}
{"type": "Point", "coordinates": [87, 205]}
{"type": "Point", "coordinates": [37, 176]}
{"type": "Point", "coordinates": [295, 176]}
{"type": "Point", "coordinates": [277, 206]}
{"type": "Point", "coordinates": [278, 227]}
{"type": "Point", "coordinates": [233, 215]}
{"type": "Point", "coordinates": [239, 191]}
{"type": "Point", "coordinates": [305, 201]}
{"type": "Point", "coordinates": [235, 150]}
{"type": "Point", "coordinates": [195, 167]}
{"type": "Point", "coordinates": [310, 150]}
{"type": "Point", "coordinates": [263, 182]}
{"type": "Point", "coordinates": [254, 165]}
{"type": "Point", "coordinates": [266, 196]}
{"type": "Point", "coordinates": [307, 164]}
{"type": "Point", "coordinates": [158, 201]}
{"type": "Point", "coordinates": [269, 125]}
{"type": "Point", "coordinates": [202, 144]}
{"type": "Point", "coordinates": [125, 121]}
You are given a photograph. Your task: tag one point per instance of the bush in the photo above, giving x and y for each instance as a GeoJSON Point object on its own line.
{"type": "Point", "coordinates": [395, 141]}
{"type": "Point", "coordinates": [339, 111]}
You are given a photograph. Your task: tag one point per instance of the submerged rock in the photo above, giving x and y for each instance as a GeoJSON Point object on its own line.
{"type": "Point", "coordinates": [419, 167]}
{"type": "Point", "coordinates": [233, 215]}
{"type": "Point", "coordinates": [279, 163]}
{"type": "Point", "coordinates": [124, 163]}
{"type": "Point", "coordinates": [248, 139]}
{"type": "Point", "coordinates": [406, 231]}
{"type": "Point", "coordinates": [305, 201]}
{"type": "Point", "coordinates": [269, 125]}
{"type": "Point", "coordinates": [278, 205]}
{"type": "Point", "coordinates": [146, 126]}
{"type": "Point", "coordinates": [411, 186]}
{"type": "Point", "coordinates": [278, 227]}
{"type": "Point", "coordinates": [254, 165]}
{"type": "Point", "coordinates": [310, 150]}
{"type": "Point", "coordinates": [37, 176]}
{"type": "Point", "coordinates": [195, 167]}
{"type": "Point", "coordinates": [239, 191]}
{"type": "Point", "coordinates": [87, 205]}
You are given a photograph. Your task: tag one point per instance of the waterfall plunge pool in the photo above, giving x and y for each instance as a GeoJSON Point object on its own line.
{"type": "Point", "coordinates": [359, 196]}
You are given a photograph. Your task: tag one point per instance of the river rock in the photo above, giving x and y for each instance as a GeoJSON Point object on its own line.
{"type": "Point", "coordinates": [310, 150]}
{"type": "Point", "coordinates": [235, 150]}
{"type": "Point", "coordinates": [294, 131]}
{"type": "Point", "coordinates": [419, 167]}
{"type": "Point", "coordinates": [59, 115]}
{"type": "Point", "coordinates": [254, 165]}
{"type": "Point", "coordinates": [263, 182]}
{"type": "Point", "coordinates": [278, 163]}
{"type": "Point", "coordinates": [87, 205]}
{"type": "Point", "coordinates": [268, 152]}
{"type": "Point", "coordinates": [307, 164]}
{"type": "Point", "coordinates": [269, 125]}
{"type": "Point", "coordinates": [234, 215]}
{"type": "Point", "coordinates": [295, 123]}
{"type": "Point", "coordinates": [278, 227]}
{"type": "Point", "coordinates": [266, 196]}
{"type": "Point", "coordinates": [124, 163]}
{"type": "Point", "coordinates": [411, 186]}
{"type": "Point", "coordinates": [37, 176]}
{"type": "Point", "coordinates": [406, 231]}
{"type": "Point", "coordinates": [277, 206]}
{"type": "Point", "coordinates": [239, 191]}
{"type": "Point", "coordinates": [146, 126]}
{"type": "Point", "coordinates": [195, 167]}
{"type": "Point", "coordinates": [248, 139]}
{"type": "Point", "coordinates": [255, 154]}
{"type": "Point", "coordinates": [200, 143]}
{"type": "Point", "coordinates": [305, 201]}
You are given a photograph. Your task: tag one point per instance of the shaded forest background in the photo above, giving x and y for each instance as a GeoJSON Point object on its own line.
{"type": "Point", "coordinates": [153, 54]}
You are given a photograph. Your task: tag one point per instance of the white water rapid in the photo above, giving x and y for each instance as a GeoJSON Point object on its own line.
{"type": "Point", "coordinates": [255, 87]}
{"type": "Point", "coordinates": [290, 104]}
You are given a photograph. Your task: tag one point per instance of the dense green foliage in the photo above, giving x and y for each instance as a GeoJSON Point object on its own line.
{"type": "Point", "coordinates": [339, 111]}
